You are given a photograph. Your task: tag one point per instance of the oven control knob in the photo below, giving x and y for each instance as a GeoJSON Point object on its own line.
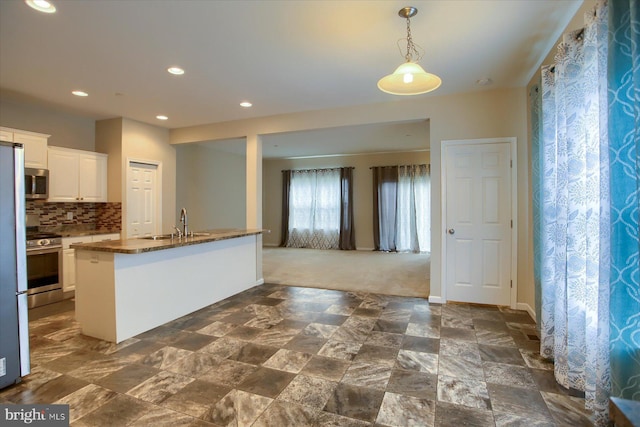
{"type": "Point", "coordinates": [43, 242]}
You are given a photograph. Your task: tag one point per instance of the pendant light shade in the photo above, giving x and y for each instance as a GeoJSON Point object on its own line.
{"type": "Point", "coordinates": [409, 78]}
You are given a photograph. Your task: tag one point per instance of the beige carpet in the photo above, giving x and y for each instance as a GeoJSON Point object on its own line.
{"type": "Point", "coordinates": [357, 271]}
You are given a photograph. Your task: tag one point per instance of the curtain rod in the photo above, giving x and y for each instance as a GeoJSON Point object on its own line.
{"type": "Point", "coordinates": [321, 169]}
{"type": "Point", "coordinates": [397, 166]}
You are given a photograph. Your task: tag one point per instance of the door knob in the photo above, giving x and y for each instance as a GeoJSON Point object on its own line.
{"type": "Point", "coordinates": [451, 231]}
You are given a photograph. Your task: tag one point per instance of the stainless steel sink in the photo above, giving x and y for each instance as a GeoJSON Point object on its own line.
{"type": "Point", "coordinates": [175, 236]}
{"type": "Point", "coordinates": [161, 237]}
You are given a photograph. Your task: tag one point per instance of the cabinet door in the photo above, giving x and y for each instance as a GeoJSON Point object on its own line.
{"type": "Point", "coordinates": [63, 176]}
{"type": "Point", "coordinates": [68, 270]}
{"type": "Point", "coordinates": [35, 150]}
{"type": "Point", "coordinates": [69, 261]}
{"type": "Point", "coordinates": [92, 178]}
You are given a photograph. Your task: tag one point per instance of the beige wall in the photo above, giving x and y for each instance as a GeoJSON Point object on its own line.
{"type": "Point", "coordinates": [144, 142]}
{"type": "Point", "coordinates": [66, 130]}
{"type": "Point", "coordinates": [484, 114]}
{"type": "Point", "coordinates": [211, 185]}
{"type": "Point", "coordinates": [125, 140]}
{"type": "Point", "coordinates": [109, 141]}
{"type": "Point", "coordinates": [362, 188]}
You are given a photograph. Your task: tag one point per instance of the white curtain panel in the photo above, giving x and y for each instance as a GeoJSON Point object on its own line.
{"type": "Point", "coordinates": [422, 192]}
{"type": "Point", "coordinates": [413, 209]}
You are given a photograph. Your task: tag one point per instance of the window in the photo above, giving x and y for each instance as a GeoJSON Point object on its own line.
{"type": "Point", "coordinates": [314, 209]}
{"type": "Point", "coordinates": [402, 217]}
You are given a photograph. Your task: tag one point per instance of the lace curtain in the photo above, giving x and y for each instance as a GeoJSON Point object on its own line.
{"type": "Point", "coordinates": [574, 213]}
{"type": "Point", "coordinates": [586, 137]}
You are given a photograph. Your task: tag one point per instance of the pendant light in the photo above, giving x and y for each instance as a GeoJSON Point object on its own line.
{"type": "Point", "coordinates": [409, 78]}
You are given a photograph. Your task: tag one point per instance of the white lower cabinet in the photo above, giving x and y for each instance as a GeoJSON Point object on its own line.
{"type": "Point", "coordinates": [68, 270]}
{"type": "Point", "coordinates": [69, 257]}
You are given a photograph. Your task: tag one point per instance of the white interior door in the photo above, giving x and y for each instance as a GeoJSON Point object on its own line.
{"type": "Point", "coordinates": [142, 200]}
{"type": "Point", "coordinates": [478, 223]}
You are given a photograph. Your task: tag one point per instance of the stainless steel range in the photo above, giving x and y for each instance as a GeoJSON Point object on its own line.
{"type": "Point", "coordinates": [44, 266]}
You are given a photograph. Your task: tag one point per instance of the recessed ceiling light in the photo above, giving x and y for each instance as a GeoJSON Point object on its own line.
{"type": "Point", "coordinates": [176, 71]}
{"type": "Point", "coordinates": [162, 117]}
{"type": "Point", "coordinates": [79, 93]}
{"type": "Point", "coordinates": [246, 104]}
{"type": "Point", "coordinates": [41, 5]}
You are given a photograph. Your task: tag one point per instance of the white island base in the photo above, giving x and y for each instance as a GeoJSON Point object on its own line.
{"type": "Point", "coordinates": [120, 295]}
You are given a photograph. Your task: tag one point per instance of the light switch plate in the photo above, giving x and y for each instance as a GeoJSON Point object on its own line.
{"type": "Point", "coordinates": [69, 215]}
{"type": "Point", "coordinates": [3, 367]}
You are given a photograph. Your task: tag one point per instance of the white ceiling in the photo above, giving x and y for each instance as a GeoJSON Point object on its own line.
{"type": "Point", "coordinates": [284, 56]}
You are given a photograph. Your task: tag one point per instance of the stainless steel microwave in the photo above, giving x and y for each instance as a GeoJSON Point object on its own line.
{"type": "Point", "coordinates": [36, 183]}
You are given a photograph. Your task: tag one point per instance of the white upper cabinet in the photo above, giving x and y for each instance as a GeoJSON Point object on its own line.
{"type": "Point", "coordinates": [77, 176]}
{"type": "Point", "coordinates": [92, 174]}
{"type": "Point", "coordinates": [35, 146]}
{"type": "Point", "coordinates": [6, 135]}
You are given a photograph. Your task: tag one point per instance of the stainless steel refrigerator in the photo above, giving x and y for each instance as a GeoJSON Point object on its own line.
{"type": "Point", "coordinates": [14, 333]}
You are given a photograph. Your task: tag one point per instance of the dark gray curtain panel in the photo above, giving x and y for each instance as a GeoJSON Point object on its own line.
{"type": "Point", "coordinates": [284, 227]}
{"type": "Point", "coordinates": [385, 188]}
{"type": "Point", "coordinates": [347, 230]}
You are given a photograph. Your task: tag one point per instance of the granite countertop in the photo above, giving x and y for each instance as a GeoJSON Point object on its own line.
{"type": "Point", "coordinates": [80, 233]}
{"type": "Point", "coordinates": [77, 230]}
{"type": "Point", "coordinates": [137, 246]}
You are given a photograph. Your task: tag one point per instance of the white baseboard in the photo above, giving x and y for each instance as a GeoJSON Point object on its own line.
{"type": "Point", "coordinates": [259, 282]}
{"type": "Point", "coordinates": [528, 309]}
{"type": "Point", "coordinates": [436, 300]}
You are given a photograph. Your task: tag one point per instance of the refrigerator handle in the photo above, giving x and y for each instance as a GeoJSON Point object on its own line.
{"type": "Point", "coordinates": [21, 233]}
{"type": "Point", "coordinates": [21, 261]}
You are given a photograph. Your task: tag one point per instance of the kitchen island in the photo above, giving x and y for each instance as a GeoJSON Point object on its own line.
{"type": "Point", "coordinates": [126, 287]}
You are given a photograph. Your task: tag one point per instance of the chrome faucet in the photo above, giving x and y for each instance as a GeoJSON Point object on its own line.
{"type": "Point", "coordinates": [183, 220]}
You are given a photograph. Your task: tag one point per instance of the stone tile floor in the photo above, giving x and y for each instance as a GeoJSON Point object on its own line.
{"type": "Point", "coordinates": [287, 356]}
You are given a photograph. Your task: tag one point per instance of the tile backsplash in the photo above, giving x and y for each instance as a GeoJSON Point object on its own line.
{"type": "Point", "coordinates": [94, 215]}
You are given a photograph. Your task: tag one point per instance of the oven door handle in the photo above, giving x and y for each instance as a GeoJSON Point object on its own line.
{"type": "Point", "coordinates": [48, 250]}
